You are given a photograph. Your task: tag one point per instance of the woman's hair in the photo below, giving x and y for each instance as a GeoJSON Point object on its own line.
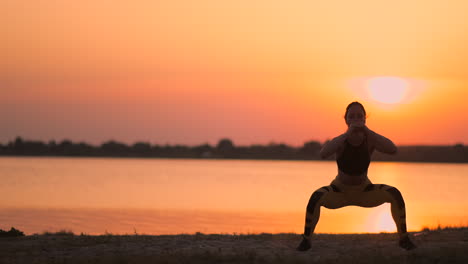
{"type": "Point", "coordinates": [354, 103]}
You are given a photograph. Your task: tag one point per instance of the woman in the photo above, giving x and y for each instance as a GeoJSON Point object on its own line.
{"type": "Point", "coordinates": [353, 150]}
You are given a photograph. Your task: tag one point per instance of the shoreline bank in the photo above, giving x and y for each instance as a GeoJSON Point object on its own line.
{"type": "Point", "coordinates": [434, 246]}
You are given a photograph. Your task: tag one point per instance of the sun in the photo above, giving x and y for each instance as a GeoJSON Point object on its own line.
{"type": "Point", "coordinates": [380, 219]}
{"type": "Point", "coordinates": [385, 223]}
{"type": "Point", "coordinates": [387, 90]}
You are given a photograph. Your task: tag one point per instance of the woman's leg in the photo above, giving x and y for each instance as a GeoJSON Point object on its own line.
{"type": "Point", "coordinates": [328, 196]}
{"type": "Point", "coordinates": [377, 194]}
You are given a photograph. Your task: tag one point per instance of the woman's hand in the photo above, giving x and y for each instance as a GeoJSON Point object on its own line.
{"type": "Point", "coordinates": [356, 127]}
{"type": "Point", "coordinates": [366, 130]}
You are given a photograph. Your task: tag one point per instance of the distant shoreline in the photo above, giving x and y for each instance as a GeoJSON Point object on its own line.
{"type": "Point", "coordinates": [225, 149]}
{"type": "Point", "coordinates": [246, 159]}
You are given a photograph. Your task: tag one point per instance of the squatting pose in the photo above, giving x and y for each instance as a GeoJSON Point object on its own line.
{"type": "Point", "coordinates": [353, 150]}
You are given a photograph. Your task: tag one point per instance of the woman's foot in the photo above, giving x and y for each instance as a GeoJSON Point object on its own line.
{"type": "Point", "coordinates": [304, 245]}
{"type": "Point", "coordinates": [406, 243]}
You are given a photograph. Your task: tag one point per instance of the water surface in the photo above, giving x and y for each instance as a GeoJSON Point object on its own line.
{"type": "Point", "coordinates": [172, 196]}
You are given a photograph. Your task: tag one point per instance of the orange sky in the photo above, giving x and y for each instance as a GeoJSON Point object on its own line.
{"type": "Point", "coordinates": [192, 72]}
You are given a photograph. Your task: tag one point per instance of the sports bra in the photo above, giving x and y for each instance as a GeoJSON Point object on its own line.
{"type": "Point", "coordinates": [354, 160]}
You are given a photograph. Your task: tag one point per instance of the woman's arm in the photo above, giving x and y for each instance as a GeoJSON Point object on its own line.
{"type": "Point", "coordinates": [381, 143]}
{"type": "Point", "coordinates": [332, 146]}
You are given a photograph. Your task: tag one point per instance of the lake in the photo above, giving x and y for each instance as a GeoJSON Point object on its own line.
{"type": "Point", "coordinates": [173, 196]}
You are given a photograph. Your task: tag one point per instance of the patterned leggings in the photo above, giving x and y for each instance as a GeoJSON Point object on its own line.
{"type": "Point", "coordinates": [338, 195]}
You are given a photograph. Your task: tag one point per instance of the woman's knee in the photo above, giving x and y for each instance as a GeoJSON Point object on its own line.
{"type": "Point", "coordinates": [396, 196]}
{"type": "Point", "coordinates": [315, 199]}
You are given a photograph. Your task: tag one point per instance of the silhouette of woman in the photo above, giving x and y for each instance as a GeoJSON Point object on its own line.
{"type": "Point", "coordinates": [353, 150]}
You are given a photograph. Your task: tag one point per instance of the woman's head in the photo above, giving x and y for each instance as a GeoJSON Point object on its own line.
{"type": "Point", "coordinates": [355, 113]}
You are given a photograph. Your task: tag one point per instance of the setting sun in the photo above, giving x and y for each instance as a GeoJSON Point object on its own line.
{"type": "Point", "coordinates": [388, 90]}
{"type": "Point", "coordinates": [380, 219]}
{"type": "Point", "coordinates": [385, 222]}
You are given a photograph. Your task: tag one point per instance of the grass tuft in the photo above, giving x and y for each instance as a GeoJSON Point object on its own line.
{"type": "Point", "coordinates": [12, 233]}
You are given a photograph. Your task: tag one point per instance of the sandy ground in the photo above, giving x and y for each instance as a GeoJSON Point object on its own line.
{"type": "Point", "coordinates": [437, 246]}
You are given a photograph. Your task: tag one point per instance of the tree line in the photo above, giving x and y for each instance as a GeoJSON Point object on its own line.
{"type": "Point", "coordinates": [224, 149]}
